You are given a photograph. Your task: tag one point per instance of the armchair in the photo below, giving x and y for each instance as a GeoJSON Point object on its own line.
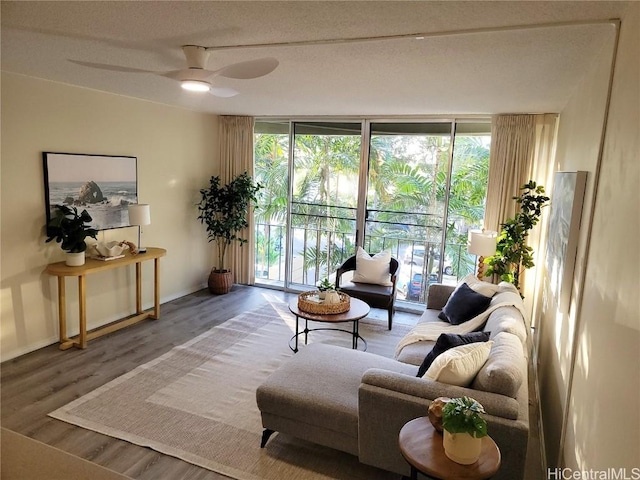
{"type": "Point", "coordinates": [377, 296]}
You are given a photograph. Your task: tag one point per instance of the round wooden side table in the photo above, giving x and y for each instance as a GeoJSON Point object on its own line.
{"type": "Point", "coordinates": [421, 446]}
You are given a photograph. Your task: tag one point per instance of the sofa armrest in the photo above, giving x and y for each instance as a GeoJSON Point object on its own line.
{"type": "Point", "coordinates": [438, 295]}
{"type": "Point", "coordinates": [388, 400]}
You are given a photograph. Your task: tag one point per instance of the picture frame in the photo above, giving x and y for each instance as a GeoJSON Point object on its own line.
{"type": "Point", "coordinates": [104, 185]}
{"type": "Point", "coordinates": [564, 231]}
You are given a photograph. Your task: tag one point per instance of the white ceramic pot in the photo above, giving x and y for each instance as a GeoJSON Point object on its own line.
{"type": "Point", "coordinates": [75, 259]}
{"type": "Point", "coordinates": [461, 447]}
{"type": "Point", "coordinates": [332, 297]}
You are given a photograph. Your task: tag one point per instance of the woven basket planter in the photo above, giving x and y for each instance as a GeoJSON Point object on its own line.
{"type": "Point", "coordinates": [220, 282]}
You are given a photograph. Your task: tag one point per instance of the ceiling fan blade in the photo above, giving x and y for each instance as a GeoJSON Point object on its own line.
{"type": "Point", "coordinates": [250, 69]}
{"type": "Point", "coordinates": [223, 92]}
{"type": "Point", "coordinates": [114, 68]}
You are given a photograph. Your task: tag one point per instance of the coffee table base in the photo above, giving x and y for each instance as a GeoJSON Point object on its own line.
{"type": "Point", "coordinates": [355, 336]}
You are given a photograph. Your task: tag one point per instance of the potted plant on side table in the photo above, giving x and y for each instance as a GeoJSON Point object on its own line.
{"type": "Point", "coordinates": [70, 228]}
{"type": "Point", "coordinates": [223, 209]}
{"type": "Point", "coordinates": [463, 429]}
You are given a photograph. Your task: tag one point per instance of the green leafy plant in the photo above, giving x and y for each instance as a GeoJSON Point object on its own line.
{"type": "Point", "coordinates": [224, 208]}
{"type": "Point", "coordinates": [70, 228]}
{"type": "Point", "coordinates": [462, 415]}
{"type": "Point", "coordinates": [325, 285]}
{"type": "Point", "coordinates": [512, 252]}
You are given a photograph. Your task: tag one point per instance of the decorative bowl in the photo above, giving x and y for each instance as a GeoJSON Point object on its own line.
{"type": "Point", "coordinates": [110, 249]}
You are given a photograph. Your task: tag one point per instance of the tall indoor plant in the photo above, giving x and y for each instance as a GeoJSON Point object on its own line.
{"type": "Point", "coordinates": [512, 252]}
{"type": "Point", "coordinates": [223, 209]}
{"type": "Point", "coordinates": [70, 229]}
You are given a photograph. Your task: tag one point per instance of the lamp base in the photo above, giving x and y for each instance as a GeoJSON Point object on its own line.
{"type": "Point", "coordinates": [142, 249]}
{"type": "Point", "coordinates": [480, 274]}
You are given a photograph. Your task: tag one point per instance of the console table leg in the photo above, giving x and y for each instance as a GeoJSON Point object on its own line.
{"type": "Point", "coordinates": [156, 288]}
{"type": "Point", "coordinates": [139, 288]}
{"type": "Point", "coordinates": [82, 302]}
{"type": "Point", "coordinates": [62, 309]}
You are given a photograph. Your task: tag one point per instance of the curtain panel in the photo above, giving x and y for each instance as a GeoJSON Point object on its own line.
{"type": "Point", "coordinates": [236, 157]}
{"type": "Point", "coordinates": [522, 148]}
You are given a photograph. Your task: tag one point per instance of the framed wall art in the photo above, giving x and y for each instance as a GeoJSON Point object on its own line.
{"type": "Point", "coordinates": [104, 185]}
{"type": "Point", "coordinates": [564, 232]}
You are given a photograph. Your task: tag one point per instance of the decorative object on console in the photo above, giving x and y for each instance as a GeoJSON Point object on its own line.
{"type": "Point", "coordinates": [512, 252]}
{"type": "Point", "coordinates": [140, 214]}
{"type": "Point", "coordinates": [70, 228]}
{"type": "Point", "coordinates": [109, 249]}
{"type": "Point", "coordinates": [482, 244]}
{"type": "Point", "coordinates": [464, 428]}
{"type": "Point", "coordinates": [223, 209]}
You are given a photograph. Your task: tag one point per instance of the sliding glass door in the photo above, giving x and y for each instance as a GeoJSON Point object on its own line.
{"type": "Point", "coordinates": [414, 188]}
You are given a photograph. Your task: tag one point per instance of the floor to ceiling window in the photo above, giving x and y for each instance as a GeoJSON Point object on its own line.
{"type": "Point", "coordinates": [413, 188]}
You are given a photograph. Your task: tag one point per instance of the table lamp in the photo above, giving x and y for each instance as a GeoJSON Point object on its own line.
{"type": "Point", "coordinates": [482, 244]}
{"type": "Point", "coordinates": [140, 214]}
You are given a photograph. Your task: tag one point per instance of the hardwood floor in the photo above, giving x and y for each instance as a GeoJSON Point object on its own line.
{"type": "Point", "coordinates": [39, 382]}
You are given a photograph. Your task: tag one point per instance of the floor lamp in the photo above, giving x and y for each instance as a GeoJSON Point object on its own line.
{"type": "Point", "coordinates": [140, 214]}
{"type": "Point", "coordinates": [482, 244]}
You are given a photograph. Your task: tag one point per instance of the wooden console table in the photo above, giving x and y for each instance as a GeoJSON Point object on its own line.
{"type": "Point", "coordinates": [61, 270]}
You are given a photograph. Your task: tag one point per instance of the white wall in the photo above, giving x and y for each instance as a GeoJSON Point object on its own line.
{"type": "Point", "coordinates": [595, 381]}
{"type": "Point", "coordinates": [176, 152]}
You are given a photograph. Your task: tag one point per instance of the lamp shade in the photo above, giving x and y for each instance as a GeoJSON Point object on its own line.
{"type": "Point", "coordinates": [139, 214]}
{"type": "Point", "coordinates": [482, 243]}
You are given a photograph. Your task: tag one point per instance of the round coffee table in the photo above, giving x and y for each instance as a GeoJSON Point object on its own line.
{"type": "Point", "coordinates": [421, 446]}
{"type": "Point", "coordinates": [358, 309]}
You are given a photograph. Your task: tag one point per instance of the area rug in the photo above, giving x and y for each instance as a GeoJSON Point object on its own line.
{"type": "Point", "coordinates": [197, 402]}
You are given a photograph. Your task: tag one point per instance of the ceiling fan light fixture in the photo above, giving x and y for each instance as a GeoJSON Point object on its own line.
{"type": "Point", "coordinates": [196, 85]}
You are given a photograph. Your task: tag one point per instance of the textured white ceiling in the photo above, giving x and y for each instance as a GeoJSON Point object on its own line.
{"type": "Point", "coordinates": [498, 70]}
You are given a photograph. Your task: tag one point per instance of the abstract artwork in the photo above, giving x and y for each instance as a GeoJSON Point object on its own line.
{"type": "Point", "coordinates": [101, 184]}
{"type": "Point", "coordinates": [564, 232]}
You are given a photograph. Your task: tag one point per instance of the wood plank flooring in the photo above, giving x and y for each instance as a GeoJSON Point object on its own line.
{"type": "Point", "coordinates": [39, 382]}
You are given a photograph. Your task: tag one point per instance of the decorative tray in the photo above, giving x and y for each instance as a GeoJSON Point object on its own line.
{"type": "Point", "coordinates": [310, 302]}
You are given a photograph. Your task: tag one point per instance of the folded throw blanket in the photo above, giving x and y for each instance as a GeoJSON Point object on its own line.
{"type": "Point", "coordinates": [432, 330]}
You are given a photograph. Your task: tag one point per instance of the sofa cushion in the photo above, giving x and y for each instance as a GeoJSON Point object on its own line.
{"type": "Point", "coordinates": [447, 341]}
{"type": "Point", "coordinates": [485, 288]}
{"type": "Point", "coordinates": [463, 305]}
{"type": "Point", "coordinates": [507, 319]}
{"type": "Point", "coordinates": [504, 370]}
{"type": "Point", "coordinates": [373, 269]}
{"type": "Point", "coordinates": [459, 365]}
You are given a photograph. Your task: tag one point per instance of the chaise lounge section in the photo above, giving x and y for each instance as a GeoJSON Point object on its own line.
{"type": "Point", "coordinates": [357, 402]}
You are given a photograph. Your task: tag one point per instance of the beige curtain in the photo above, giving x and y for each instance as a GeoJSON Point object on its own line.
{"type": "Point", "coordinates": [512, 150]}
{"type": "Point", "coordinates": [522, 148]}
{"type": "Point", "coordinates": [236, 157]}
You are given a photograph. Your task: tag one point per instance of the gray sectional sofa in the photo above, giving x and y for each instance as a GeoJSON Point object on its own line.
{"type": "Point", "coordinates": [357, 401]}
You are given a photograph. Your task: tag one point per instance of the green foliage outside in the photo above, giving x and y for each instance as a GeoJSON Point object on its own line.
{"type": "Point", "coordinates": [407, 193]}
{"type": "Point", "coordinates": [512, 252]}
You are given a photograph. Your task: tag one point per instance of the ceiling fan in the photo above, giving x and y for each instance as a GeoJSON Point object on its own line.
{"type": "Point", "coordinates": [196, 77]}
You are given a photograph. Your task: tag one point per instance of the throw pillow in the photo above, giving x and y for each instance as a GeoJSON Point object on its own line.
{"type": "Point", "coordinates": [459, 365]}
{"type": "Point", "coordinates": [449, 340]}
{"type": "Point", "coordinates": [485, 288]}
{"type": "Point", "coordinates": [373, 269]}
{"type": "Point", "coordinates": [463, 305]}
{"type": "Point", "coordinates": [505, 370]}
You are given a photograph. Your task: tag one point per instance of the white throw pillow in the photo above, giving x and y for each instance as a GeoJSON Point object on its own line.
{"type": "Point", "coordinates": [373, 269]}
{"type": "Point", "coordinates": [483, 288]}
{"type": "Point", "coordinates": [459, 365]}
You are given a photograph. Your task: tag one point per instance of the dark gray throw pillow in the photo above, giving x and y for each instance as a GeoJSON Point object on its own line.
{"type": "Point", "coordinates": [449, 340]}
{"type": "Point", "coordinates": [463, 304]}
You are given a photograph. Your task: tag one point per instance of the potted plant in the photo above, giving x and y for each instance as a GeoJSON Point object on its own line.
{"type": "Point", "coordinates": [463, 429]}
{"type": "Point", "coordinates": [223, 209]}
{"type": "Point", "coordinates": [70, 229]}
{"type": "Point", "coordinates": [512, 252]}
{"type": "Point", "coordinates": [324, 286]}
